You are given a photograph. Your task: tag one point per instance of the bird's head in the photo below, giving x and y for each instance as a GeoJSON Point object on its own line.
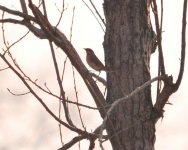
{"type": "Point", "coordinates": [88, 50]}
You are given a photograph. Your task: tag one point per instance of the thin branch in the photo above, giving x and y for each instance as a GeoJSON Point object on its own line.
{"type": "Point", "coordinates": [60, 131]}
{"type": "Point", "coordinates": [50, 93]}
{"type": "Point", "coordinates": [61, 41]}
{"type": "Point", "coordinates": [10, 20]}
{"type": "Point", "coordinates": [39, 99]}
{"type": "Point", "coordinates": [4, 68]}
{"type": "Point", "coordinates": [72, 142]}
{"type": "Point", "coordinates": [62, 93]}
{"type": "Point", "coordinates": [24, 7]}
{"type": "Point", "coordinates": [59, 82]}
{"type": "Point", "coordinates": [76, 93]}
{"type": "Point", "coordinates": [159, 71]}
{"type": "Point", "coordinates": [97, 13]}
{"type": "Point", "coordinates": [38, 32]}
{"type": "Point", "coordinates": [7, 44]}
{"type": "Point", "coordinates": [16, 94]}
{"type": "Point", "coordinates": [81, 137]}
{"type": "Point", "coordinates": [100, 79]}
{"type": "Point", "coordinates": [162, 99]}
{"type": "Point", "coordinates": [73, 72]}
{"type": "Point", "coordinates": [17, 13]}
{"type": "Point", "coordinates": [3, 32]}
{"type": "Point", "coordinates": [183, 46]}
{"type": "Point", "coordinates": [161, 22]}
{"type": "Point", "coordinates": [68, 101]}
{"type": "Point", "coordinates": [118, 101]}
{"type": "Point", "coordinates": [159, 38]}
{"type": "Point", "coordinates": [61, 14]}
{"type": "Point", "coordinates": [72, 24]}
{"type": "Point", "coordinates": [93, 15]}
{"type": "Point", "coordinates": [18, 40]}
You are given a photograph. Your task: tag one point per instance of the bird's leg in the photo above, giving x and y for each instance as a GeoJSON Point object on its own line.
{"type": "Point", "coordinates": [98, 76]}
{"type": "Point", "coordinates": [99, 73]}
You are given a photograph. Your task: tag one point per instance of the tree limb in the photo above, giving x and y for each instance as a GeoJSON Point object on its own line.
{"type": "Point", "coordinates": [24, 7]}
{"type": "Point", "coordinates": [159, 39]}
{"type": "Point", "coordinates": [60, 40]}
{"type": "Point", "coordinates": [118, 101]}
{"type": "Point", "coordinates": [17, 13]}
{"type": "Point", "coordinates": [39, 99]}
{"type": "Point", "coordinates": [183, 46]}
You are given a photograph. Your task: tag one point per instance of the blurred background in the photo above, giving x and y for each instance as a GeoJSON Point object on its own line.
{"type": "Point", "coordinates": [25, 124]}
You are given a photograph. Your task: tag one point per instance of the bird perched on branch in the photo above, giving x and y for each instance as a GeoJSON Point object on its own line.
{"type": "Point", "coordinates": [93, 61]}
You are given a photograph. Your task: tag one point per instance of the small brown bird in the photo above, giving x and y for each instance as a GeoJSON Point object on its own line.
{"type": "Point", "coordinates": [93, 61]}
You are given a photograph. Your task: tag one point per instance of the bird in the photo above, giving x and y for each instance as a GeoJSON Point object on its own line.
{"type": "Point", "coordinates": [93, 61]}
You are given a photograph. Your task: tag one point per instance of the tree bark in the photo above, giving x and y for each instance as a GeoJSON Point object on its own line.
{"type": "Point", "coordinates": [128, 43]}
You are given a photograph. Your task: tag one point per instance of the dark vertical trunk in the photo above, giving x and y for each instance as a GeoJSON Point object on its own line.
{"type": "Point", "coordinates": [128, 42]}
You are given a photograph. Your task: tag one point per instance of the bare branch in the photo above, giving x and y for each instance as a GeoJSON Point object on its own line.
{"type": "Point", "coordinates": [16, 94]}
{"type": "Point", "coordinates": [169, 87]}
{"type": "Point", "coordinates": [37, 32]}
{"type": "Point", "coordinates": [103, 81]}
{"type": "Point", "coordinates": [39, 99]}
{"type": "Point", "coordinates": [118, 101]}
{"type": "Point", "coordinates": [50, 93]}
{"type": "Point", "coordinates": [73, 73]}
{"type": "Point", "coordinates": [71, 28]}
{"type": "Point", "coordinates": [18, 40]}
{"type": "Point", "coordinates": [159, 38]}
{"type": "Point", "coordinates": [61, 13]}
{"type": "Point", "coordinates": [24, 7]}
{"type": "Point", "coordinates": [162, 99]}
{"type": "Point", "coordinates": [62, 93]}
{"type": "Point", "coordinates": [161, 22]}
{"type": "Point", "coordinates": [183, 45]}
{"type": "Point", "coordinates": [4, 68]}
{"type": "Point", "coordinates": [97, 13]}
{"type": "Point", "coordinates": [60, 40]}
{"type": "Point", "coordinates": [93, 15]}
{"type": "Point", "coordinates": [72, 142]}
{"type": "Point", "coordinates": [17, 13]}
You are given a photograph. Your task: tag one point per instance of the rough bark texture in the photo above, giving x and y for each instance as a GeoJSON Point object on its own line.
{"type": "Point", "coordinates": [128, 42]}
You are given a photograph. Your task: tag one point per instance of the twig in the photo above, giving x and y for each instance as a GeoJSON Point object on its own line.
{"type": "Point", "coordinates": [72, 142]}
{"type": "Point", "coordinates": [159, 38]}
{"type": "Point", "coordinates": [118, 101]}
{"type": "Point", "coordinates": [161, 22]}
{"type": "Point", "coordinates": [3, 32]}
{"type": "Point", "coordinates": [62, 93]}
{"type": "Point", "coordinates": [61, 14]}
{"type": "Point", "coordinates": [24, 7]}
{"type": "Point", "coordinates": [183, 45]}
{"type": "Point", "coordinates": [17, 13]}
{"type": "Point", "coordinates": [19, 39]}
{"type": "Point", "coordinates": [4, 68]}
{"type": "Point", "coordinates": [93, 15]}
{"type": "Point", "coordinates": [39, 99]}
{"type": "Point", "coordinates": [97, 12]}
{"type": "Point", "coordinates": [73, 73]}
{"type": "Point", "coordinates": [38, 32]}
{"type": "Point", "coordinates": [7, 44]}
{"type": "Point", "coordinates": [100, 79]}
{"type": "Point", "coordinates": [61, 99]}
{"type": "Point", "coordinates": [61, 41]}
{"type": "Point", "coordinates": [15, 94]}
{"type": "Point", "coordinates": [159, 71]}
{"type": "Point", "coordinates": [71, 28]}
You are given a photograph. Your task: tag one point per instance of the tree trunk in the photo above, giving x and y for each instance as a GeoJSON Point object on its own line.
{"type": "Point", "coordinates": [128, 43]}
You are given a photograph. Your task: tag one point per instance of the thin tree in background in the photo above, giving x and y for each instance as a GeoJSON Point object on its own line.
{"type": "Point", "coordinates": [129, 117]}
